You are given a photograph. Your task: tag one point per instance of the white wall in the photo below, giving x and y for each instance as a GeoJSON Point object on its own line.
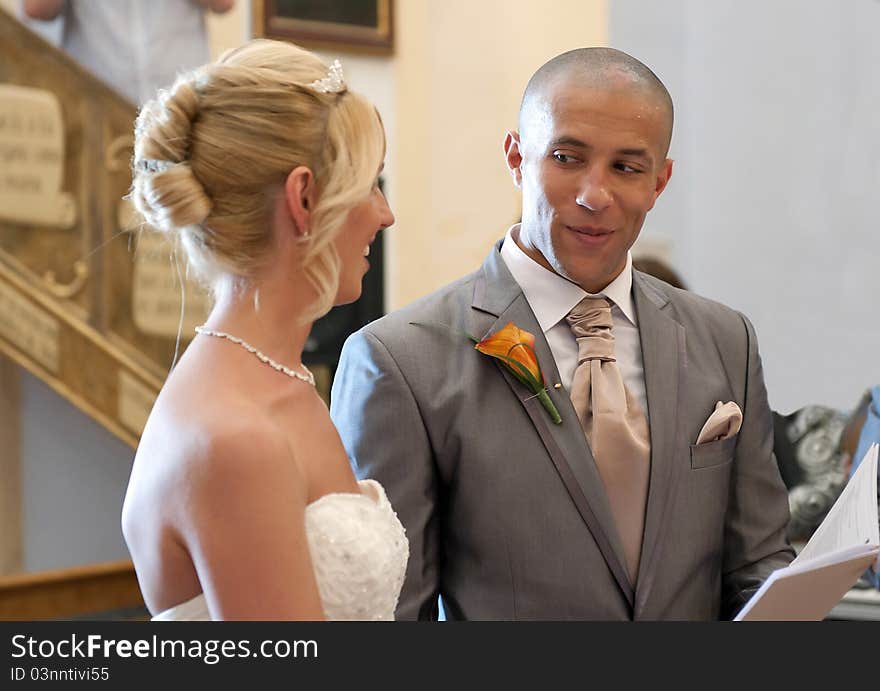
{"type": "Point", "coordinates": [74, 475]}
{"type": "Point", "coordinates": [771, 208]}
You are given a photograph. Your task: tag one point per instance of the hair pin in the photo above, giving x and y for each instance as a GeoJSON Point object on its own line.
{"type": "Point", "coordinates": [333, 83]}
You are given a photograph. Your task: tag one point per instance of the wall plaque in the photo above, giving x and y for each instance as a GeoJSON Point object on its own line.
{"type": "Point", "coordinates": [32, 159]}
{"type": "Point", "coordinates": [156, 290]}
{"type": "Point", "coordinates": [29, 328]}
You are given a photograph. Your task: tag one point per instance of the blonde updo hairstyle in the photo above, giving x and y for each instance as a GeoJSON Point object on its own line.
{"type": "Point", "coordinates": [213, 151]}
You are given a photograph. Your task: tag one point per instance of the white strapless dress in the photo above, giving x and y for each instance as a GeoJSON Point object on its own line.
{"type": "Point", "coordinates": [359, 551]}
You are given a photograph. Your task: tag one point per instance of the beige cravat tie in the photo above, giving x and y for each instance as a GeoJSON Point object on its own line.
{"type": "Point", "coordinates": [613, 422]}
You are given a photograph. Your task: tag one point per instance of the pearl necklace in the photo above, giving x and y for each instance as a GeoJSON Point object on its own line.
{"type": "Point", "coordinates": [309, 378]}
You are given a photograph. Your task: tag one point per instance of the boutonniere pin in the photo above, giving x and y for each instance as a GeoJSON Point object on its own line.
{"type": "Point", "coordinates": [515, 349]}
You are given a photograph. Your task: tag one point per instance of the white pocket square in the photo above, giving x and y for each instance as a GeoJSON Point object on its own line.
{"type": "Point", "coordinates": [723, 423]}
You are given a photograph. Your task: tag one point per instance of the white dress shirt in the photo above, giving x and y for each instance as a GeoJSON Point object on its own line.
{"type": "Point", "coordinates": [137, 47]}
{"type": "Point", "coordinates": [552, 297]}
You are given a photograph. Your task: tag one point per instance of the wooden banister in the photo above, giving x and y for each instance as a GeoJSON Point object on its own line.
{"type": "Point", "coordinates": [95, 590]}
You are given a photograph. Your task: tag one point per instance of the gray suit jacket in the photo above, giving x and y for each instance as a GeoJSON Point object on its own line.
{"type": "Point", "coordinates": [505, 511]}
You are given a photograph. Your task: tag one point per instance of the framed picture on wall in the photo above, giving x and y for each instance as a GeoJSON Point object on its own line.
{"type": "Point", "coordinates": [354, 25]}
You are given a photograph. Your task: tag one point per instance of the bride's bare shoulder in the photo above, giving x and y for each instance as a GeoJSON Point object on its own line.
{"type": "Point", "coordinates": [194, 444]}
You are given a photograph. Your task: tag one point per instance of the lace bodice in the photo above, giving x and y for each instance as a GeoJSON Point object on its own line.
{"type": "Point", "coordinates": [359, 552]}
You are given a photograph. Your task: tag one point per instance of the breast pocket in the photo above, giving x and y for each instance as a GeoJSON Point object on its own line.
{"type": "Point", "coordinates": [712, 454]}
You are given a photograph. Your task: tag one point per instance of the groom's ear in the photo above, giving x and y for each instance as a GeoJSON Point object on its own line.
{"type": "Point", "coordinates": [299, 196]}
{"type": "Point", "coordinates": [513, 156]}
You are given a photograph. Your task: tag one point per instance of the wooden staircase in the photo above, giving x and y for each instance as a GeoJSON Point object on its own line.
{"type": "Point", "coordinates": [94, 592]}
{"type": "Point", "coordinates": [88, 304]}
{"type": "Point", "coordinates": [70, 265]}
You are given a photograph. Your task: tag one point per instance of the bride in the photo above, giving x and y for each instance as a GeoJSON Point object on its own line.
{"type": "Point", "coordinates": [241, 502]}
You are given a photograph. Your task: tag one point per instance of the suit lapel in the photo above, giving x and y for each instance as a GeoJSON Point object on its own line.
{"type": "Point", "coordinates": [498, 300]}
{"type": "Point", "coordinates": [664, 358]}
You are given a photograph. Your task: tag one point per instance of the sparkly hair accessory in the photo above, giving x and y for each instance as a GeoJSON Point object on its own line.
{"type": "Point", "coordinates": [150, 165]}
{"type": "Point", "coordinates": [333, 83]}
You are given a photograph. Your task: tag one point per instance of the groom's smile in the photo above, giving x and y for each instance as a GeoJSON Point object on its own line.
{"type": "Point", "coordinates": [590, 159]}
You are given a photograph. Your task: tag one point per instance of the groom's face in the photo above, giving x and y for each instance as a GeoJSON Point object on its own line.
{"type": "Point", "coordinates": [591, 162]}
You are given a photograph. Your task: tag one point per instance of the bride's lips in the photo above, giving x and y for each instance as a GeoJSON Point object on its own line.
{"type": "Point", "coordinates": [591, 235]}
{"type": "Point", "coordinates": [367, 250]}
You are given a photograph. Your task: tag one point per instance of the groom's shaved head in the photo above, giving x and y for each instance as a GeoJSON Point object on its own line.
{"type": "Point", "coordinates": [593, 68]}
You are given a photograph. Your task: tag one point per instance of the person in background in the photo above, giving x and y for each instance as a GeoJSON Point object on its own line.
{"type": "Point", "coordinates": [659, 269]}
{"type": "Point", "coordinates": [135, 46]}
{"type": "Point", "coordinates": [870, 434]}
{"type": "Point", "coordinates": [870, 429]}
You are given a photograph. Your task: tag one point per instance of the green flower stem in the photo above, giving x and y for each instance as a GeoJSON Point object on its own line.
{"type": "Point", "coordinates": [544, 397]}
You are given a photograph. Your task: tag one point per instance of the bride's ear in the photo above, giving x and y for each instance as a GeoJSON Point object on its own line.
{"type": "Point", "coordinates": [299, 195]}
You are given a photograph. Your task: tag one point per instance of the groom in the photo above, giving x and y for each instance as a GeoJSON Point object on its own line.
{"type": "Point", "coordinates": [658, 496]}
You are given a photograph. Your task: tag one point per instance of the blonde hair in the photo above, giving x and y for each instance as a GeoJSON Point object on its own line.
{"type": "Point", "coordinates": [213, 151]}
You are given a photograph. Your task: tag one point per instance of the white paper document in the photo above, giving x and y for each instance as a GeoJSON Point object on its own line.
{"type": "Point", "coordinates": [843, 546]}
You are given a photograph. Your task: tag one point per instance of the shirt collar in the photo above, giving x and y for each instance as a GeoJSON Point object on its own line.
{"type": "Point", "coordinates": [551, 296]}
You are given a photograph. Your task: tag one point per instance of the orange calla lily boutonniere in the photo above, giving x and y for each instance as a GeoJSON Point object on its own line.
{"type": "Point", "coordinates": [515, 349]}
